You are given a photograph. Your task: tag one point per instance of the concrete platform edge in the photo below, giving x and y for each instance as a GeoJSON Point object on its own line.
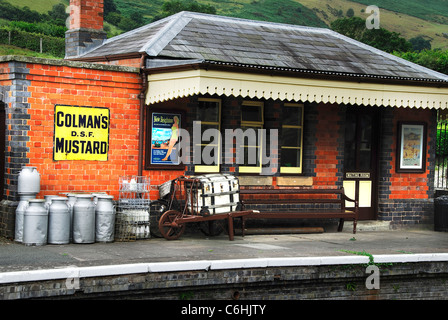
{"type": "Point", "coordinates": [178, 266]}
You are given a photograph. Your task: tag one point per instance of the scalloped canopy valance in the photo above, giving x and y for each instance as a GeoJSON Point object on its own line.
{"type": "Point", "coordinates": [178, 84]}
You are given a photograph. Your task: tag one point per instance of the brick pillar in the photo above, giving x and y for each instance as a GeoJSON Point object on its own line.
{"type": "Point", "coordinates": [329, 146]}
{"type": "Point", "coordinates": [15, 98]}
{"type": "Point", "coordinates": [86, 27]}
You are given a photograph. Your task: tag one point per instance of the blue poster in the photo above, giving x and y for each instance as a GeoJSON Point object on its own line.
{"type": "Point", "coordinates": [165, 138]}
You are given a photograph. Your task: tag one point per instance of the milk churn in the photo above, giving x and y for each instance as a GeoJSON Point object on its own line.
{"type": "Point", "coordinates": [28, 187]}
{"type": "Point", "coordinates": [35, 223]}
{"type": "Point", "coordinates": [71, 202]}
{"type": "Point", "coordinates": [48, 199]}
{"type": "Point", "coordinates": [59, 221]}
{"type": "Point", "coordinates": [28, 181]}
{"type": "Point", "coordinates": [20, 211]}
{"type": "Point", "coordinates": [84, 219]}
{"type": "Point", "coordinates": [105, 218]}
{"type": "Point", "coordinates": [96, 195]}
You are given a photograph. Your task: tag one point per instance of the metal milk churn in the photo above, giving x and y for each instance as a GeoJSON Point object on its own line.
{"type": "Point", "coordinates": [48, 199]}
{"type": "Point", "coordinates": [59, 221]}
{"type": "Point", "coordinates": [28, 181]}
{"type": "Point", "coordinates": [71, 203]}
{"type": "Point", "coordinates": [35, 223]}
{"type": "Point", "coordinates": [20, 211]}
{"type": "Point", "coordinates": [96, 195]}
{"type": "Point", "coordinates": [105, 218]}
{"type": "Point", "coordinates": [84, 219]}
{"type": "Point", "coordinates": [28, 187]}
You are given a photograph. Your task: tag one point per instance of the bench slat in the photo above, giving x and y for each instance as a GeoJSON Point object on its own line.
{"type": "Point", "coordinates": [291, 191]}
{"type": "Point", "coordinates": [265, 196]}
{"type": "Point", "coordinates": [305, 214]}
{"type": "Point", "coordinates": [289, 201]}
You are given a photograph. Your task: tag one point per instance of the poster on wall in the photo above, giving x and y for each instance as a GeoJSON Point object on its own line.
{"type": "Point", "coordinates": [81, 133]}
{"type": "Point", "coordinates": [411, 147]}
{"type": "Point", "coordinates": [164, 138]}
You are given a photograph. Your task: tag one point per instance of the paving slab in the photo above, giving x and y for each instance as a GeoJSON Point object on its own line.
{"type": "Point", "coordinates": [197, 247]}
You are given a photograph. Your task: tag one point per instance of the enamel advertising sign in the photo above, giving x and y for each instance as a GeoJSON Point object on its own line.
{"type": "Point", "coordinates": [81, 133]}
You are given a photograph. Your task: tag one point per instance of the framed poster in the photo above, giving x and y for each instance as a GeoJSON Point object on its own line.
{"type": "Point", "coordinates": [411, 147]}
{"type": "Point", "coordinates": [163, 151]}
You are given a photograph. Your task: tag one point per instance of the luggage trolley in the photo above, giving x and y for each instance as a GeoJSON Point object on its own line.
{"type": "Point", "coordinates": [202, 198]}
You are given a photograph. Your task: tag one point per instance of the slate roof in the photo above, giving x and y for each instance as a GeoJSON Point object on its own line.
{"type": "Point", "coordinates": [188, 36]}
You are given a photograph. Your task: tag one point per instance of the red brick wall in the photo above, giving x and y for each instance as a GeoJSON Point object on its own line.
{"type": "Point", "coordinates": [4, 74]}
{"type": "Point", "coordinates": [410, 185]}
{"type": "Point", "coordinates": [118, 91]}
{"type": "Point", "coordinates": [86, 14]}
{"type": "Point", "coordinates": [327, 135]}
{"type": "Point", "coordinates": [132, 62]}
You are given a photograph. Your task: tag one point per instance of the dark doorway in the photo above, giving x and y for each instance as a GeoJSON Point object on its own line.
{"type": "Point", "coordinates": [360, 158]}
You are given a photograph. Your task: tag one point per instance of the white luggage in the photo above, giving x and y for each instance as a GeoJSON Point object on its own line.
{"type": "Point", "coordinates": [214, 194]}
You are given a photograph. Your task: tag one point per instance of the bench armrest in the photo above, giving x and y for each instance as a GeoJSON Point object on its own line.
{"type": "Point", "coordinates": [351, 200]}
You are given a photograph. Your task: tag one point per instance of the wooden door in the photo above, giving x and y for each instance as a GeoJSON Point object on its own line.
{"type": "Point", "coordinates": [360, 159]}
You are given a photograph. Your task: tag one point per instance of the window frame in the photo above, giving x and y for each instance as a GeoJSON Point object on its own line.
{"type": "Point", "coordinates": [256, 125]}
{"type": "Point", "coordinates": [299, 169]}
{"type": "Point", "coordinates": [210, 168]}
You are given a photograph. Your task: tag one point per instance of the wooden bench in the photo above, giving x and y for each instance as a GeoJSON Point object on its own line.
{"type": "Point", "coordinates": [325, 204]}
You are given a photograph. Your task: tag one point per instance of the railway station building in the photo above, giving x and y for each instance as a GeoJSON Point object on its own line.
{"type": "Point", "coordinates": [327, 112]}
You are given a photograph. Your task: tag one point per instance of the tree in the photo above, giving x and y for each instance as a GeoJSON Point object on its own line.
{"type": "Point", "coordinates": [350, 13]}
{"type": "Point", "coordinates": [381, 38]}
{"type": "Point", "coordinates": [174, 6]}
{"type": "Point", "coordinates": [419, 43]}
{"type": "Point", "coordinates": [58, 14]}
{"type": "Point", "coordinates": [433, 59]}
{"type": "Point", "coordinates": [109, 7]}
{"type": "Point", "coordinates": [13, 13]}
{"type": "Point", "coordinates": [113, 18]}
{"type": "Point", "coordinates": [127, 24]}
{"type": "Point", "coordinates": [137, 17]}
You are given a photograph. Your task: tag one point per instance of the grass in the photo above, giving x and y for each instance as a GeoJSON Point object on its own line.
{"type": "Point", "coordinates": [6, 50]}
{"type": "Point", "coordinates": [41, 6]}
{"type": "Point", "coordinates": [434, 10]}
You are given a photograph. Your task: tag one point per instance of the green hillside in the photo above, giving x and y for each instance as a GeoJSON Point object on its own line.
{"type": "Point", "coordinates": [407, 17]}
{"type": "Point", "coordinates": [283, 11]}
{"type": "Point", "coordinates": [41, 6]}
{"type": "Point", "coordinates": [395, 19]}
{"type": "Point", "coordinates": [431, 10]}
{"type": "Point", "coordinates": [410, 18]}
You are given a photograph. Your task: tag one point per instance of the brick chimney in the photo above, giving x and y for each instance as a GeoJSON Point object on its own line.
{"type": "Point", "coordinates": [86, 27]}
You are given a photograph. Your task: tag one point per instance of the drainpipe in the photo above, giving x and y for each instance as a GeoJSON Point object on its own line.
{"type": "Point", "coordinates": [142, 96]}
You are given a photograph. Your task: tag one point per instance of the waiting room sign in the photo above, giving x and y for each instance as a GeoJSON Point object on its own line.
{"type": "Point", "coordinates": [81, 133]}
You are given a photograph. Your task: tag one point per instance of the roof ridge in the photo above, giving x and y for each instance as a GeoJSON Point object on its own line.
{"type": "Point", "coordinates": [253, 22]}
{"type": "Point", "coordinates": [166, 34]}
{"type": "Point", "coordinates": [146, 26]}
{"type": "Point", "coordinates": [127, 34]}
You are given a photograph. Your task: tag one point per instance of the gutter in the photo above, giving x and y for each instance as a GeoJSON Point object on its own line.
{"type": "Point", "coordinates": [293, 72]}
{"type": "Point", "coordinates": [142, 97]}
